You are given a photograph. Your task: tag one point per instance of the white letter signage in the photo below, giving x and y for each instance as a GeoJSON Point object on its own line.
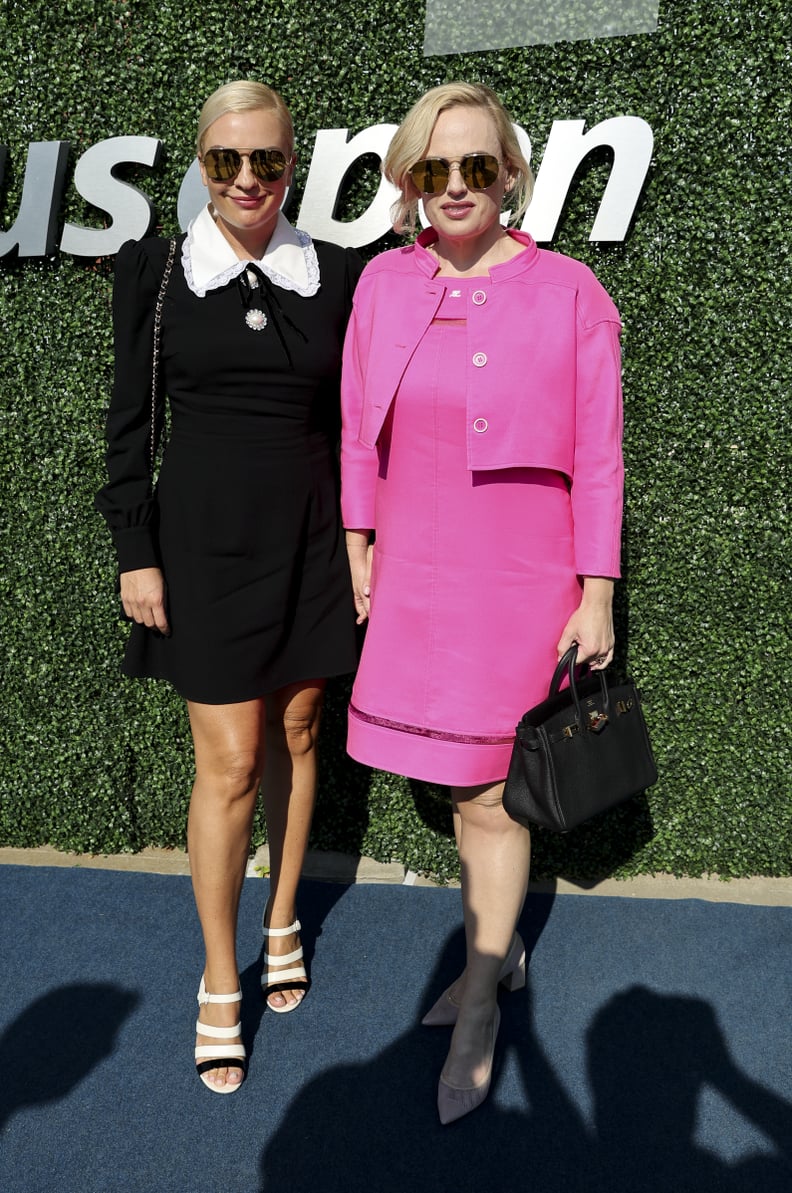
{"type": "Point", "coordinates": [631, 140]}
{"type": "Point", "coordinates": [132, 213]}
{"type": "Point", "coordinates": [34, 229]}
{"type": "Point", "coordinates": [34, 232]}
{"type": "Point", "coordinates": [333, 156]}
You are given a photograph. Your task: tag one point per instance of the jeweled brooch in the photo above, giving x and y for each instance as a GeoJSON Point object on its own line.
{"type": "Point", "coordinates": [256, 320]}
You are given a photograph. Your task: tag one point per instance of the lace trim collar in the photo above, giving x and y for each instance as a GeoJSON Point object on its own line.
{"type": "Point", "coordinates": [209, 261]}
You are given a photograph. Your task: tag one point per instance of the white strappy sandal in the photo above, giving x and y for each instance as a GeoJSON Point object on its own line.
{"type": "Point", "coordinates": [276, 980]}
{"type": "Point", "coordinates": [231, 1056]}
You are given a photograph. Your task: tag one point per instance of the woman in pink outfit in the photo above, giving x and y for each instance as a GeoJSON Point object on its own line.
{"type": "Point", "coordinates": [481, 492]}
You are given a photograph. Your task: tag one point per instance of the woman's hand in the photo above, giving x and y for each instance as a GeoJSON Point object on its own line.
{"type": "Point", "coordinates": [591, 625]}
{"type": "Point", "coordinates": [143, 598]}
{"type": "Point", "coordinates": [359, 550]}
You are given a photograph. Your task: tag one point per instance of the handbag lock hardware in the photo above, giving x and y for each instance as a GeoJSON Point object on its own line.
{"type": "Point", "coordinates": [596, 723]}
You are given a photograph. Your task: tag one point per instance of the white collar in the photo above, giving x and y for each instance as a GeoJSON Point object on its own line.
{"type": "Point", "coordinates": [209, 261]}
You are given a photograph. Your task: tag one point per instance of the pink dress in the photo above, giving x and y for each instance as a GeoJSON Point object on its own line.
{"type": "Point", "coordinates": [473, 580]}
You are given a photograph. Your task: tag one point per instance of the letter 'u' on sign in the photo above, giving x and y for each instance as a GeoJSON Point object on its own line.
{"type": "Point", "coordinates": [333, 156]}
{"type": "Point", "coordinates": [34, 231]}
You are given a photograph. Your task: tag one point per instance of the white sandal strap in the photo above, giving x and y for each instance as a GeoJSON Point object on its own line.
{"type": "Point", "coordinates": [204, 998]}
{"type": "Point", "coordinates": [279, 976]}
{"type": "Point", "coordinates": [284, 959]}
{"type": "Point", "coordinates": [205, 1052]}
{"type": "Point", "coordinates": [218, 1033]}
{"type": "Point", "coordinates": [295, 927]}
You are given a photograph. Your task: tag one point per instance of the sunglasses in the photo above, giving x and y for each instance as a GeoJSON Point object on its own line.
{"type": "Point", "coordinates": [478, 170]}
{"type": "Point", "coordinates": [223, 165]}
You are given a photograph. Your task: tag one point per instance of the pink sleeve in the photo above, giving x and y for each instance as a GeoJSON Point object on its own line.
{"type": "Point", "coordinates": [598, 477]}
{"type": "Point", "coordinates": [359, 464]}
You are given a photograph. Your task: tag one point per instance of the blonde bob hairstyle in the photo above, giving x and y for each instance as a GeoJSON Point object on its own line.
{"type": "Point", "coordinates": [243, 96]}
{"type": "Point", "coordinates": [414, 133]}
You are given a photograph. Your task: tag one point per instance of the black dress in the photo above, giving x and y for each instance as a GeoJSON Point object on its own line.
{"type": "Point", "coordinates": [244, 519]}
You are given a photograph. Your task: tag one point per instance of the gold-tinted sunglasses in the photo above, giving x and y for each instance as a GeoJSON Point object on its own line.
{"type": "Point", "coordinates": [478, 170]}
{"type": "Point", "coordinates": [223, 165]}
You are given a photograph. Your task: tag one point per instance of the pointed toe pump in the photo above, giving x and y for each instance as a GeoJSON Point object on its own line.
{"type": "Point", "coordinates": [512, 977]}
{"type": "Point", "coordinates": [454, 1101]}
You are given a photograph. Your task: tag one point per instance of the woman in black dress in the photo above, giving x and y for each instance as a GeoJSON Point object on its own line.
{"type": "Point", "coordinates": [233, 565]}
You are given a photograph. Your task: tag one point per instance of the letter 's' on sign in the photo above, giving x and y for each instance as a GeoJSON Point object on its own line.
{"type": "Point", "coordinates": [132, 213]}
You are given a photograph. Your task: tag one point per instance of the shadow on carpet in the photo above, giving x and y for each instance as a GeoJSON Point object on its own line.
{"type": "Point", "coordinates": [650, 1051]}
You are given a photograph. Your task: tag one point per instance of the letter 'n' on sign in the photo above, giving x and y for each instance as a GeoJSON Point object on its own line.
{"type": "Point", "coordinates": [632, 142]}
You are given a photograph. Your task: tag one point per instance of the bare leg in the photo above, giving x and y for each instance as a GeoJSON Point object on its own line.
{"type": "Point", "coordinates": [495, 853]}
{"type": "Point", "coordinates": [289, 791]}
{"type": "Point", "coordinates": [229, 758]}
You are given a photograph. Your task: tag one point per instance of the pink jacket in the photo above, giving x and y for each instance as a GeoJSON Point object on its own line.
{"type": "Point", "coordinates": [544, 386]}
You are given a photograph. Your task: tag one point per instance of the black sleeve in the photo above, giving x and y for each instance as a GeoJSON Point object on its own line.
{"type": "Point", "coordinates": [354, 267]}
{"type": "Point", "coordinates": [126, 501]}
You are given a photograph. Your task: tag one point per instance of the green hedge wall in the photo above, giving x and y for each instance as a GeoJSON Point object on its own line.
{"type": "Point", "coordinates": [93, 762]}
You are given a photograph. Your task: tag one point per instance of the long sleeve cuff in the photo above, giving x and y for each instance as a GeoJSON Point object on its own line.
{"type": "Point", "coordinates": [135, 548]}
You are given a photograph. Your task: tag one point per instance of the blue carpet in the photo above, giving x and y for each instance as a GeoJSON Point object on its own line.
{"type": "Point", "coordinates": [649, 1054]}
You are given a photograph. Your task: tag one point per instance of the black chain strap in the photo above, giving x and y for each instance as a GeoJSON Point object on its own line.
{"type": "Point", "coordinates": [155, 360]}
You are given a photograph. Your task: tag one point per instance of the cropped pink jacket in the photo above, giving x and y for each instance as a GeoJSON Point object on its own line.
{"type": "Point", "coordinates": [543, 381]}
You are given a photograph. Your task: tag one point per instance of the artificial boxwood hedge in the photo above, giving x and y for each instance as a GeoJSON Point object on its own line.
{"type": "Point", "coordinates": [91, 761]}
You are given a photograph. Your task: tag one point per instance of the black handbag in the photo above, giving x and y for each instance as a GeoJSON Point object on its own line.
{"type": "Point", "coordinates": [579, 752]}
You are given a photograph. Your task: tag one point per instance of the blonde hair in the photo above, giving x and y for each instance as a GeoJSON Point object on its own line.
{"type": "Point", "coordinates": [414, 133]}
{"type": "Point", "coordinates": [242, 96]}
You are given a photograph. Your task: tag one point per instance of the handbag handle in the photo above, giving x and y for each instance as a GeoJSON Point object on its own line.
{"type": "Point", "coordinates": [567, 665]}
